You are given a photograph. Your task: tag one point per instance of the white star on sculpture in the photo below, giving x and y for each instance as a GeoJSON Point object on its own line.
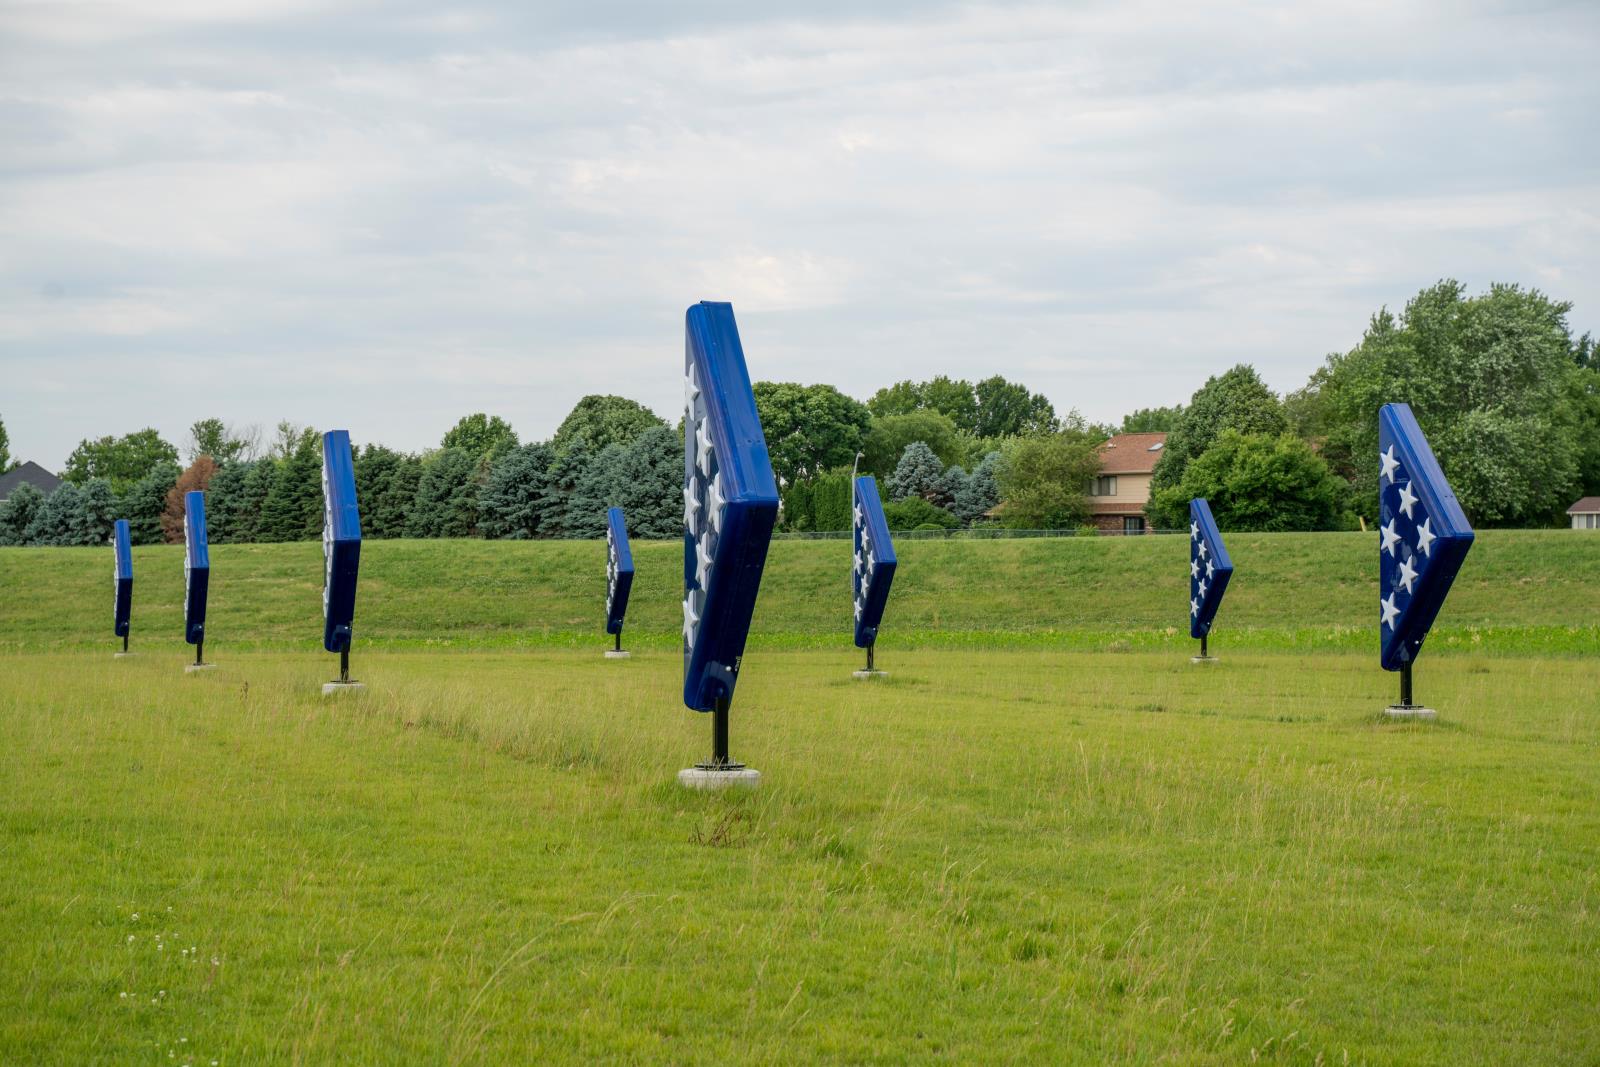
{"type": "Point", "coordinates": [1194, 531]}
{"type": "Point", "coordinates": [861, 561]}
{"type": "Point", "coordinates": [1203, 552]}
{"type": "Point", "coordinates": [703, 449]}
{"type": "Point", "coordinates": [691, 618]}
{"type": "Point", "coordinates": [1390, 464]}
{"type": "Point", "coordinates": [1390, 612]}
{"type": "Point", "coordinates": [872, 561]}
{"type": "Point", "coordinates": [1425, 538]}
{"type": "Point", "coordinates": [691, 509]}
{"type": "Point", "coordinates": [714, 503]}
{"type": "Point", "coordinates": [1211, 568]}
{"type": "Point", "coordinates": [859, 515]}
{"type": "Point", "coordinates": [702, 551]}
{"type": "Point", "coordinates": [1408, 575]}
{"type": "Point", "coordinates": [1202, 590]}
{"type": "Point", "coordinates": [1390, 539]}
{"type": "Point", "coordinates": [1194, 606]}
{"type": "Point", "coordinates": [691, 389]}
{"type": "Point", "coordinates": [1408, 500]}
{"type": "Point", "coordinates": [1194, 568]}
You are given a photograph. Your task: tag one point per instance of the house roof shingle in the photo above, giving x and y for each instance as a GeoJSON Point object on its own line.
{"type": "Point", "coordinates": [31, 473]}
{"type": "Point", "coordinates": [1131, 453]}
{"type": "Point", "coordinates": [1589, 505]}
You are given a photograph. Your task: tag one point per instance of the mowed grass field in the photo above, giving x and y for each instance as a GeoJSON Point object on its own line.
{"type": "Point", "coordinates": [1045, 838]}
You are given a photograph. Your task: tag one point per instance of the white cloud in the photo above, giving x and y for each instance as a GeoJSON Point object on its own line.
{"type": "Point", "coordinates": [386, 218]}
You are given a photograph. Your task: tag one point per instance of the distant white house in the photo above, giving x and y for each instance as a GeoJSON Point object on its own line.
{"type": "Point", "coordinates": [1586, 513]}
{"type": "Point", "coordinates": [29, 473]}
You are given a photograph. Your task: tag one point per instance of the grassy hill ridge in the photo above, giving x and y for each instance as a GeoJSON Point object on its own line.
{"type": "Point", "coordinates": [1519, 591]}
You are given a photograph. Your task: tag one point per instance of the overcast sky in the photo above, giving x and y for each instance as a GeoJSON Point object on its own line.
{"type": "Point", "coordinates": [384, 216]}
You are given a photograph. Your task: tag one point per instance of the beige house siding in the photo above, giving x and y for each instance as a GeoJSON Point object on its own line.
{"type": "Point", "coordinates": [1131, 489]}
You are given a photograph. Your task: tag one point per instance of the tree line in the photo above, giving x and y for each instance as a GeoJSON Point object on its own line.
{"type": "Point", "coordinates": [1509, 398]}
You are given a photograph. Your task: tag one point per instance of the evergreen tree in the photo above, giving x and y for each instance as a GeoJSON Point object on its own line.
{"type": "Point", "coordinates": [446, 504]}
{"type": "Point", "coordinates": [374, 469]}
{"type": "Point", "coordinates": [391, 511]}
{"type": "Point", "coordinates": [952, 483]}
{"type": "Point", "coordinates": [980, 492]}
{"type": "Point", "coordinates": [223, 498]}
{"type": "Point", "coordinates": [17, 513]}
{"type": "Point", "coordinates": [565, 474]}
{"type": "Point", "coordinates": [145, 500]}
{"type": "Point", "coordinates": [602, 483]}
{"type": "Point", "coordinates": [253, 493]}
{"type": "Point", "coordinates": [97, 514]}
{"type": "Point", "coordinates": [53, 523]}
{"type": "Point", "coordinates": [917, 474]}
{"type": "Point", "coordinates": [833, 499]}
{"type": "Point", "coordinates": [652, 486]}
{"type": "Point", "coordinates": [197, 475]}
{"type": "Point", "coordinates": [292, 510]}
{"type": "Point", "coordinates": [799, 507]}
{"type": "Point", "coordinates": [515, 501]}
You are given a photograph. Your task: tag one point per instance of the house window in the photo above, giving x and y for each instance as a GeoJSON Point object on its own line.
{"type": "Point", "coordinates": [1105, 485]}
{"type": "Point", "coordinates": [1133, 524]}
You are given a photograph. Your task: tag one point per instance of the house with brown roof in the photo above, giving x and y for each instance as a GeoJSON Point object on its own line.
{"type": "Point", "coordinates": [1586, 513]}
{"type": "Point", "coordinates": [1117, 496]}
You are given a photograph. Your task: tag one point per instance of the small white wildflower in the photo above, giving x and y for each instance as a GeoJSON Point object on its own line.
{"type": "Point", "coordinates": [163, 992]}
{"type": "Point", "coordinates": [215, 962]}
{"type": "Point", "coordinates": [130, 939]}
{"type": "Point", "coordinates": [183, 1041]}
{"type": "Point", "coordinates": [135, 916]}
{"type": "Point", "coordinates": [123, 995]}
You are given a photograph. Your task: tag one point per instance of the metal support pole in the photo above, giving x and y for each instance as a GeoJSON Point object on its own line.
{"type": "Point", "coordinates": [344, 664]}
{"type": "Point", "coordinates": [870, 647]}
{"type": "Point", "coordinates": [124, 642]}
{"type": "Point", "coordinates": [619, 641]}
{"type": "Point", "coordinates": [1202, 646]}
{"type": "Point", "coordinates": [719, 732]}
{"type": "Point", "coordinates": [199, 652]}
{"type": "Point", "coordinates": [1405, 684]}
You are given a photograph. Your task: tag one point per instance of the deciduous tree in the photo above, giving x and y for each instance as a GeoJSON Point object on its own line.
{"type": "Point", "coordinates": [481, 435]}
{"type": "Point", "coordinates": [809, 428]}
{"type": "Point", "coordinates": [1237, 400]}
{"type": "Point", "coordinates": [1258, 482]}
{"type": "Point", "coordinates": [603, 420]}
{"type": "Point", "coordinates": [122, 461]}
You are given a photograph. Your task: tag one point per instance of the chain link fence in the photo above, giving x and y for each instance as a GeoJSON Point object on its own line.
{"type": "Point", "coordinates": [977, 533]}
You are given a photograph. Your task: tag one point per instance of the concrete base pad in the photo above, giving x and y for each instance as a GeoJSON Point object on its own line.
{"type": "Point", "coordinates": [712, 778]}
{"type": "Point", "coordinates": [1202, 659]}
{"type": "Point", "coordinates": [123, 655]}
{"type": "Point", "coordinates": [330, 688]}
{"type": "Point", "coordinates": [191, 668]}
{"type": "Point", "coordinates": [1410, 711]}
{"type": "Point", "coordinates": [612, 653]}
{"type": "Point", "coordinates": [868, 675]}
